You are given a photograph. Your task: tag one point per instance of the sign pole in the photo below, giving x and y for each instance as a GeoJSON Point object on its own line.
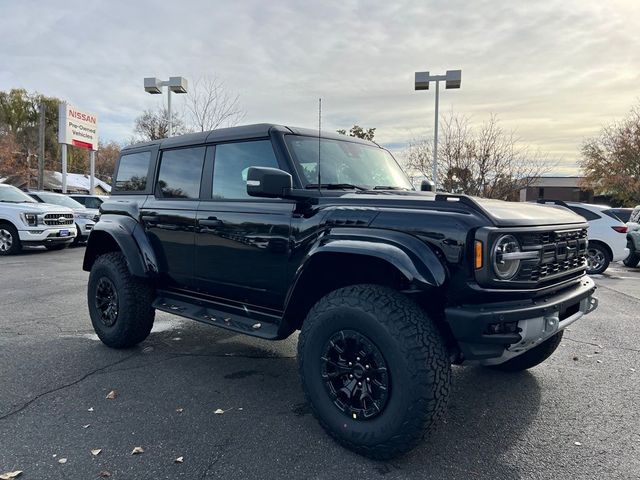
{"type": "Point", "coordinates": [41, 147]}
{"type": "Point", "coordinates": [92, 171]}
{"type": "Point", "coordinates": [64, 168]}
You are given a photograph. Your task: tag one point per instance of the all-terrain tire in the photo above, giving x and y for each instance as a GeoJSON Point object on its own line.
{"type": "Point", "coordinates": [122, 319]}
{"type": "Point", "coordinates": [416, 359]}
{"type": "Point", "coordinates": [532, 357]}
{"type": "Point", "coordinates": [9, 239]}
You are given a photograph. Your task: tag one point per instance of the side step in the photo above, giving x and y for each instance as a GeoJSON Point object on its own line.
{"type": "Point", "coordinates": [254, 324]}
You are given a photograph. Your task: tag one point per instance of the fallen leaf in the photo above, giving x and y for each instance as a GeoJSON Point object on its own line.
{"type": "Point", "coordinates": [575, 359]}
{"type": "Point", "coordinates": [240, 409]}
{"type": "Point", "coordinates": [598, 361]}
{"type": "Point", "coordinates": [96, 451]}
{"type": "Point", "coordinates": [10, 475]}
{"type": "Point", "coordinates": [632, 369]}
{"type": "Point", "coordinates": [147, 349]}
{"type": "Point", "coordinates": [112, 395]}
{"type": "Point", "coordinates": [219, 411]}
{"type": "Point", "coordinates": [179, 409]}
{"type": "Point", "coordinates": [179, 460]}
{"type": "Point", "coordinates": [62, 460]}
{"type": "Point", "coordinates": [577, 444]}
{"type": "Point", "coordinates": [104, 474]}
{"type": "Point", "coordinates": [256, 326]}
{"type": "Point", "coordinates": [176, 339]}
{"type": "Point", "coordinates": [137, 450]}
{"type": "Point", "coordinates": [90, 409]}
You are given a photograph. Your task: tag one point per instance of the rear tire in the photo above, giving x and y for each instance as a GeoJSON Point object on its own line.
{"type": "Point", "coordinates": [9, 240]}
{"type": "Point", "coordinates": [394, 344]}
{"type": "Point", "coordinates": [633, 259]}
{"type": "Point", "coordinates": [598, 258]}
{"type": "Point", "coordinates": [119, 303]}
{"type": "Point", "coordinates": [532, 357]}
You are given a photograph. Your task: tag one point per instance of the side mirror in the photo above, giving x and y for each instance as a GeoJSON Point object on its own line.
{"type": "Point", "coordinates": [268, 182]}
{"type": "Point", "coordinates": [427, 186]}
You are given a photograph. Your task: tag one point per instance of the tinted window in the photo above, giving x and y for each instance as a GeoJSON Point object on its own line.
{"type": "Point", "coordinates": [583, 212]}
{"type": "Point", "coordinates": [81, 200]}
{"type": "Point", "coordinates": [232, 163]}
{"type": "Point", "coordinates": [180, 173]}
{"type": "Point", "coordinates": [92, 202]}
{"type": "Point", "coordinates": [616, 215]}
{"type": "Point", "coordinates": [132, 172]}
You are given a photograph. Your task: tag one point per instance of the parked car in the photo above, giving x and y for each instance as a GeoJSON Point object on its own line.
{"type": "Point", "coordinates": [624, 214]}
{"type": "Point", "coordinates": [89, 201]}
{"type": "Point", "coordinates": [25, 222]}
{"type": "Point", "coordinates": [607, 234]}
{"type": "Point", "coordinates": [389, 286]}
{"type": "Point", "coordinates": [633, 238]}
{"type": "Point", "coordinates": [85, 218]}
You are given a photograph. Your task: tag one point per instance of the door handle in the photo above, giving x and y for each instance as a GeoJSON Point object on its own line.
{"type": "Point", "coordinates": [210, 222]}
{"type": "Point", "coordinates": [150, 220]}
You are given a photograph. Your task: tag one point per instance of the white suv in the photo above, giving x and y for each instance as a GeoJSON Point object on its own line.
{"type": "Point", "coordinates": [607, 234]}
{"type": "Point", "coordinates": [23, 222]}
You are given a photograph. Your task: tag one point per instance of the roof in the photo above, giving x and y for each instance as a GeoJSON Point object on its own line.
{"type": "Point", "coordinates": [570, 182]}
{"type": "Point", "coordinates": [256, 130]}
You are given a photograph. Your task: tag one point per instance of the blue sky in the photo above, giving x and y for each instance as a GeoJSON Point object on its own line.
{"type": "Point", "coordinates": [553, 70]}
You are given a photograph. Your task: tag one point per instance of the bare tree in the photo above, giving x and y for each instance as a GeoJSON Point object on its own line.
{"type": "Point", "coordinates": [210, 106]}
{"type": "Point", "coordinates": [487, 162]}
{"type": "Point", "coordinates": [154, 124]}
{"type": "Point", "coordinates": [611, 160]}
{"type": "Point", "coordinates": [359, 132]}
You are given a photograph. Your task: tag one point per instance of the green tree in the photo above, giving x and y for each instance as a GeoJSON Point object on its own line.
{"type": "Point", "coordinates": [611, 160]}
{"type": "Point", "coordinates": [358, 131]}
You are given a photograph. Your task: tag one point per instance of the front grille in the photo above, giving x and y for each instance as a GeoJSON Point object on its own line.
{"type": "Point", "coordinates": [56, 219]}
{"type": "Point", "coordinates": [563, 253]}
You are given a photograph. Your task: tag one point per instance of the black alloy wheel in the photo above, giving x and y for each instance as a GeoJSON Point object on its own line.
{"type": "Point", "coordinates": [107, 301]}
{"type": "Point", "coordinates": [355, 375]}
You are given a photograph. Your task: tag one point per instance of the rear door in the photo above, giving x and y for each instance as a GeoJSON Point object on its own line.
{"type": "Point", "coordinates": [169, 214]}
{"type": "Point", "coordinates": [242, 241]}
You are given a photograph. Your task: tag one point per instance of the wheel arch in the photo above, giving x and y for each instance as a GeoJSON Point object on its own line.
{"type": "Point", "coordinates": [349, 257]}
{"type": "Point", "coordinates": [119, 233]}
{"type": "Point", "coordinates": [606, 247]}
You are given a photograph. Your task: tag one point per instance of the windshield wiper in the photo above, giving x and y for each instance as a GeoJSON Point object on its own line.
{"type": "Point", "coordinates": [334, 186]}
{"type": "Point", "coordinates": [386, 187]}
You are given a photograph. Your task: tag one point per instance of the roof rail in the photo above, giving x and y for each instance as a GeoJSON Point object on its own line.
{"type": "Point", "coordinates": [544, 201]}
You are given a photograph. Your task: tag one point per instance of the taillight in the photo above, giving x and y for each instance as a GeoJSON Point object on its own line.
{"type": "Point", "coordinates": [620, 228]}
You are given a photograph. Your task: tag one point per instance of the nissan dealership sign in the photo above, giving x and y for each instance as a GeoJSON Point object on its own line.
{"type": "Point", "coordinates": [78, 127]}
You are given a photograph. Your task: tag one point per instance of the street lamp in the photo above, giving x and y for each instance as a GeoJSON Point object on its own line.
{"type": "Point", "coordinates": [452, 79]}
{"type": "Point", "coordinates": [154, 86]}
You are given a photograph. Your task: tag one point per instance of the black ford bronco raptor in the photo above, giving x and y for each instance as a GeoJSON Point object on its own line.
{"type": "Point", "coordinates": [388, 286]}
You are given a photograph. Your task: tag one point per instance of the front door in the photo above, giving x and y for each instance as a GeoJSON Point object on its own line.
{"type": "Point", "coordinates": [169, 216]}
{"type": "Point", "coordinates": [242, 241]}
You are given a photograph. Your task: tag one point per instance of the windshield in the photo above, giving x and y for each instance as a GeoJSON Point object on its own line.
{"type": "Point", "coordinates": [59, 200]}
{"type": "Point", "coordinates": [11, 194]}
{"type": "Point", "coordinates": [347, 163]}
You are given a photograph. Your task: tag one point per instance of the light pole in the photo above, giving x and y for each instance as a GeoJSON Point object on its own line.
{"type": "Point", "coordinates": [452, 79]}
{"type": "Point", "coordinates": [154, 86]}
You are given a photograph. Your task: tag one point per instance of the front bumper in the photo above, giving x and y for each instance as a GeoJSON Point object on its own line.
{"type": "Point", "coordinates": [47, 236]}
{"type": "Point", "coordinates": [494, 333]}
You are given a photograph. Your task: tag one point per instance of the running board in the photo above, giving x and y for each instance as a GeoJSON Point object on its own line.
{"type": "Point", "coordinates": [254, 324]}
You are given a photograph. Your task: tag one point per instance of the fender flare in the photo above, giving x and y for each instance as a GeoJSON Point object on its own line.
{"type": "Point", "coordinates": [413, 258]}
{"type": "Point", "coordinates": [130, 239]}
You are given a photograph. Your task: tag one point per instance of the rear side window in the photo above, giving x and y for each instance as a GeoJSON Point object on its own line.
{"type": "Point", "coordinates": [132, 172]}
{"type": "Point", "coordinates": [613, 214]}
{"type": "Point", "coordinates": [583, 212]}
{"type": "Point", "coordinates": [635, 215]}
{"type": "Point", "coordinates": [232, 163]}
{"type": "Point", "coordinates": [180, 173]}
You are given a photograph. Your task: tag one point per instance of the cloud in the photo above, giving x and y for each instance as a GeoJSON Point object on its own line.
{"type": "Point", "coordinates": [553, 70]}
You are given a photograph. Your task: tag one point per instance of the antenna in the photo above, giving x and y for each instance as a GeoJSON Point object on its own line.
{"type": "Point", "coordinates": [319, 129]}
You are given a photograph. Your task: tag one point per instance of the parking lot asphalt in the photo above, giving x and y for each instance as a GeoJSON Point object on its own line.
{"type": "Point", "coordinates": [575, 416]}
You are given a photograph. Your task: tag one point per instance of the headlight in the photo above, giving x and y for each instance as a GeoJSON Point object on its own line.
{"type": "Point", "coordinates": [506, 257]}
{"type": "Point", "coordinates": [30, 219]}
{"type": "Point", "coordinates": [86, 216]}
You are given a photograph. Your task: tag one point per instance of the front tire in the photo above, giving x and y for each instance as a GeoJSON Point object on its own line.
{"type": "Point", "coordinates": [533, 357]}
{"type": "Point", "coordinates": [9, 240]}
{"type": "Point", "coordinates": [119, 303]}
{"type": "Point", "coordinates": [598, 258]}
{"type": "Point", "coordinates": [374, 369]}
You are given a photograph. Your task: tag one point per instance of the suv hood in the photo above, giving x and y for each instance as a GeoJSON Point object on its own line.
{"type": "Point", "coordinates": [34, 208]}
{"type": "Point", "coordinates": [499, 212]}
